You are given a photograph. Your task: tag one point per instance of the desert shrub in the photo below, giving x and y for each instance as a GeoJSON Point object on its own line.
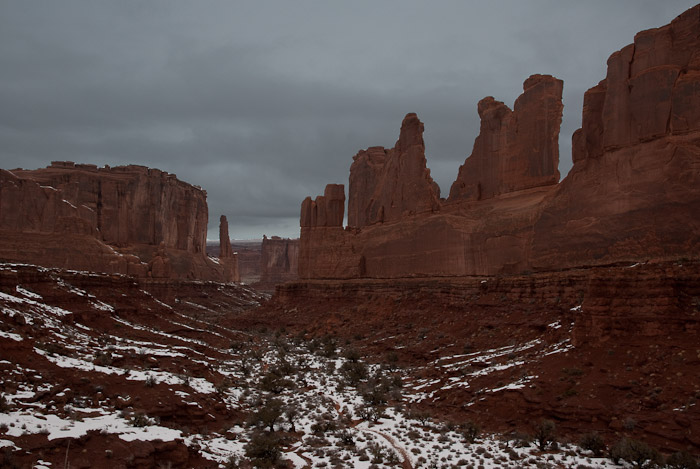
{"type": "Point", "coordinates": [351, 354]}
{"type": "Point", "coordinates": [263, 449]}
{"type": "Point", "coordinates": [269, 414]}
{"type": "Point", "coordinates": [545, 433]}
{"type": "Point", "coordinates": [275, 382]}
{"type": "Point", "coordinates": [422, 416]}
{"type": "Point", "coordinates": [103, 358]}
{"type": "Point", "coordinates": [682, 460]}
{"type": "Point", "coordinates": [292, 414]}
{"type": "Point", "coordinates": [328, 347]}
{"type": "Point", "coordinates": [4, 405]}
{"type": "Point", "coordinates": [593, 442]}
{"type": "Point", "coordinates": [346, 438]}
{"type": "Point", "coordinates": [324, 424]}
{"type": "Point", "coordinates": [470, 431]}
{"type": "Point", "coordinates": [354, 372]}
{"type": "Point", "coordinates": [140, 419]}
{"type": "Point", "coordinates": [371, 413]}
{"type": "Point", "coordinates": [223, 387]}
{"type": "Point", "coordinates": [637, 453]}
{"type": "Point", "coordinates": [150, 381]}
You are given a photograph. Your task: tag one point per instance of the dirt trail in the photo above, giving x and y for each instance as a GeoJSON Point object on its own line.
{"type": "Point", "coordinates": [406, 464]}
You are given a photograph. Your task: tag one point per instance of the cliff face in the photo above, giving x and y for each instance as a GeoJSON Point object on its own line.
{"type": "Point", "coordinates": [634, 190]}
{"type": "Point", "coordinates": [279, 262]}
{"type": "Point", "coordinates": [516, 149]}
{"type": "Point", "coordinates": [632, 195]}
{"type": "Point", "coordinates": [132, 220]}
{"type": "Point", "coordinates": [131, 204]}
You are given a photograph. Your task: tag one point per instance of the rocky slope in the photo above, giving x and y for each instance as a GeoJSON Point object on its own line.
{"type": "Point", "coordinates": [110, 371]}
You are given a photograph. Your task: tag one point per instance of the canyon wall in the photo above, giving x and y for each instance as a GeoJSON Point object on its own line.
{"type": "Point", "coordinates": [279, 261]}
{"type": "Point", "coordinates": [129, 219]}
{"type": "Point", "coordinates": [632, 195]}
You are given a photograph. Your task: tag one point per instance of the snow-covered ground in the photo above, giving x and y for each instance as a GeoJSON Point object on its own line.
{"type": "Point", "coordinates": [320, 405]}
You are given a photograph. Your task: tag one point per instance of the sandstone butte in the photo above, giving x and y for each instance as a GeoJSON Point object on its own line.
{"type": "Point", "coordinates": [127, 220]}
{"type": "Point", "coordinates": [633, 194]}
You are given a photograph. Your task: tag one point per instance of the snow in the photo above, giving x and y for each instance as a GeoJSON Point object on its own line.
{"type": "Point", "coordinates": [21, 422]}
{"type": "Point", "coordinates": [27, 293]}
{"type": "Point", "coordinates": [11, 335]}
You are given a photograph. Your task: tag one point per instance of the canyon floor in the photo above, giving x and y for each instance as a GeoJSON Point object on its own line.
{"type": "Point", "coordinates": [108, 371]}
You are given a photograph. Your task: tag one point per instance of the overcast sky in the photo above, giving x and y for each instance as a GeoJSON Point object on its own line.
{"type": "Point", "coordinates": [265, 102]}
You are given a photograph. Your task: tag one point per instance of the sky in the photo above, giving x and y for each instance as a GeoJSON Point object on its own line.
{"type": "Point", "coordinates": [263, 103]}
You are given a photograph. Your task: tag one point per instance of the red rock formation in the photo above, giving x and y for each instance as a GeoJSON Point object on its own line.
{"type": "Point", "coordinates": [516, 149]}
{"type": "Point", "coordinates": [279, 261]}
{"type": "Point", "coordinates": [225, 250]}
{"type": "Point", "coordinates": [131, 220]}
{"type": "Point", "coordinates": [326, 210]}
{"type": "Point", "coordinates": [634, 190]}
{"type": "Point", "coordinates": [387, 185]}
{"type": "Point", "coordinates": [131, 204]}
{"type": "Point", "coordinates": [227, 258]}
{"type": "Point", "coordinates": [633, 193]}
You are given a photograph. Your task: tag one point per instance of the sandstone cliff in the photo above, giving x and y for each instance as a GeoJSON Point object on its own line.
{"type": "Point", "coordinates": [387, 185]}
{"type": "Point", "coordinates": [632, 195]}
{"type": "Point", "coordinates": [279, 262]}
{"type": "Point", "coordinates": [634, 190]}
{"type": "Point", "coordinates": [516, 149]}
{"type": "Point", "coordinates": [130, 219]}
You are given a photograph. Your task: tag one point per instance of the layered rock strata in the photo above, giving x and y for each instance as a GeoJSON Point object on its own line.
{"type": "Point", "coordinates": [130, 220]}
{"type": "Point", "coordinates": [632, 195]}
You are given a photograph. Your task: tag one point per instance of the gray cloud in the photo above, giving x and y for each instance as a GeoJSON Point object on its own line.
{"type": "Point", "coordinates": [263, 103]}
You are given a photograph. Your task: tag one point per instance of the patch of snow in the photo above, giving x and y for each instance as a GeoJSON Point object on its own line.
{"type": "Point", "coordinates": [11, 335]}
{"type": "Point", "coordinates": [27, 293]}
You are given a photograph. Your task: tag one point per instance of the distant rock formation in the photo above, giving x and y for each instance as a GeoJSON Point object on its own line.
{"type": "Point", "coordinates": [632, 195]}
{"type": "Point", "coordinates": [279, 261]}
{"type": "Point", "coordinates": [227, 258]}
{"type": "Point", "coordinates": [128, 219]}
{"type": "Point", "coordinates": [517, 149]}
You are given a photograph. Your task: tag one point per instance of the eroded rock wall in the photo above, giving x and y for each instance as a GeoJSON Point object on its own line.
{"type": "Point", "coordinates": [279, 261]}
{"type": "Point", "coordinates": [634, 191]}
{"type": "Point", "coordinates": [388, 185]}
{"type": "Point", "coordinates": [130, 220]}
{"type": "Point", "coordinates": [516, 149]}
{"type": "Point", "coordinates": [632, 195]}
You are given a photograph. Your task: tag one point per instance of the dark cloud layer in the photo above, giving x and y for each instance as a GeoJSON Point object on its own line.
{"type": "Point", "coordinates": [263, 103]}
